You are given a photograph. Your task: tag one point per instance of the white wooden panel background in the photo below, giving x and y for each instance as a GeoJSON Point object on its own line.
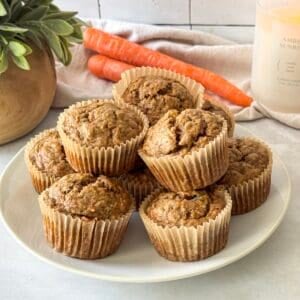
{"type": "Point", "coordinates": [232, 19]}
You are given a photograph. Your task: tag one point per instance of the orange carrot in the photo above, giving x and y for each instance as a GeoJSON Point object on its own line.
{"type": "Point", "coordinates": [120, 49]}
{"type": "Point", "coordinates": [107, 68]}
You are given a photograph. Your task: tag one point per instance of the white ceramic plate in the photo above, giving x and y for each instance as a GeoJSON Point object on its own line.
{"type": "Point", "coordinates": [136, 259]}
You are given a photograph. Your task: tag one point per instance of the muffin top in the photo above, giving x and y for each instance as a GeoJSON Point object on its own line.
{"type": "Point", "coordinates": [186, 208]}
{"type": "Point", "coordinates": [218, 110]}
{"type": "Point", "coordinates": [86, 196]}
{"type": "Point", "coordinates": [48, 156]}
{"type": "Point", "coordinates": [182, 132]}
{"type": "Point", "coordinates": [101, 124]}
{"type": "Point", "coordinates": [247, 160]}
{"type": "Point", "coordinates": [156, 95]}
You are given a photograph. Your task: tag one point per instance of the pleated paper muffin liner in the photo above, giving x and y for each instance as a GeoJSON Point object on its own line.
{"type": "Point", "coordinates": [110, 161]}
{"type": "Point", "coordinates": [188, 243]}
{"type": "Point", "coordinates": [81, 237]}
{"type": "Point", "coordinates": [139, 190]}
{"type": "Point", "coordinates": [231, 123]}
{"type": "Point", "coordinates": [250, 194]}
{"type": "Point", "coordinates": [40, 180]}
{"type": "Point", "coordinates": [193, 171]}
{"type": "Point", "coordinates": [195, 88]}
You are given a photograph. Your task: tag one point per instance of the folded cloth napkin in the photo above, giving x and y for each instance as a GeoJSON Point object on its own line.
{"type": "Point", "coordinates": [226, 58]}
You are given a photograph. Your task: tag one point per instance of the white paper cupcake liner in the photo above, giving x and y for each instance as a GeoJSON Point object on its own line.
{"type": "Point", "coordinates": [250, 194]}
{"type": "Point", "coordinates": [40, 180]}
{"type": "Point", "coordinates": [195, 88]}
{"type": "Point", "coordinates": [82, 237]}
{"type": "Point", "coordinates": [193, 171]}
{"type": "Point", "coordinates": [139, 190]}
{"type": "Point", "coordinates": [110, 161]}
{"type": "Point", "coordinates": [188, 243]}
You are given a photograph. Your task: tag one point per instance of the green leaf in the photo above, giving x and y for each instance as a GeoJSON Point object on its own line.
{"type": "Point", "coordinates": [34, 37]}
{"type": "Point", "coordinates": [3, 11]}
{"type": "Point", "coordinates": [40, 22]}
{"type": "Point", "coordinates": [21, 62]}
{"type": "Point", "coordinates": [3, 40]}
{"type": "Point", "coordinates": [67, 54]}
{"type": "Point", "coordinates": [54, 8]}
{"type": "Point", "coordinates": [35, 14]}
{"type": "Point", "coordinates": [16, 10]}
{"type": "Point", "coordinates": [65, 15]}
{"type": "Point", "coordinates": [28, 49]}
{"type": "Point", "coordinates": [60, 27]}
{"type": "Point", "coordinates": [71, 39]}
{"type": "Point", "coordinates": [17, 48]}
{"type": "Point", "coordinates": [79, 22]}
{"type": "Point", "coordinates": [53, 41]}
{"type": "Point", "coordinates": [12, 28]}
{"type": "Point", "coordinates": [3, 61]}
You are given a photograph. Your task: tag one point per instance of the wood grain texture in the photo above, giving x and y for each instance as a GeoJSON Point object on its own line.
{"type": "Point", "coordinates": [26, 96]}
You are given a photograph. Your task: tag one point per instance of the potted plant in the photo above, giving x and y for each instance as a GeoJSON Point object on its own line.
{"type": "Point", "coordinates": [31, 31]}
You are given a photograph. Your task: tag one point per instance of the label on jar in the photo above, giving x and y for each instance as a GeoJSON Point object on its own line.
{"type": "Point", "coordinates": [285, 58]}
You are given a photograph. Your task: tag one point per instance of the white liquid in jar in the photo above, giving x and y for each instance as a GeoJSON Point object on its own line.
{"type": "Point", "coordinates": [276, 59]}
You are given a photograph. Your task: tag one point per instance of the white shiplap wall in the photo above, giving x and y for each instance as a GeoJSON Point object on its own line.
{"type": "Point", "coordinates": [233, 19]}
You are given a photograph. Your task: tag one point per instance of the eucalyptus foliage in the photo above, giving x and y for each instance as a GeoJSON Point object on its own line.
{"type": "Point", "coordinates": [39, 22]}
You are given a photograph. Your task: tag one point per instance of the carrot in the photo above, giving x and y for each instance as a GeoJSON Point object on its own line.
{"type": "Point", "coordinates": [107, 68]}
{"type": "Point", "coordinates": [120, 49]}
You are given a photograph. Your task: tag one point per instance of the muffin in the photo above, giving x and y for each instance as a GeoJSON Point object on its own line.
{"type": "Point", "coordinates": [139, 183]}
{"type": "Point", "coordinates": [46, 160]}
{"type": "Point", "coordinates": [187, 226]}
{"type": "Point", "coordinates": [248, 178]}
{"type": "Point", "coordinates": [156, 91]}
{"type": "Point", "coordinates": [187, 150]}
{"type": "Point", "coordinates": [85, 216]}
{"type": "Point", "coordinates": [217, 107]}
{"type": "Point", "coordinates": [102, 136]}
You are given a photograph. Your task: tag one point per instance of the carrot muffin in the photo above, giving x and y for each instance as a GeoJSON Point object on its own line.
{"type": "Point", "coordinates": [248, 177]}
{"type": "Point", "coordinates": [220, 109]}
{"type": "Point", "coordinates": [46, 160]}
{"type": "Point", "coordinates": [154, 96]}
{"type": "Point", "coordinates": [102, 136]}
{"type": "Point", "coordinates": [187, 226]}
{"type": "Point", "coordinates": [140, 183]}
{"type": "Point", "coordinates": [85, 216]}
{"type": "Point", "coordinates": [187, 150]}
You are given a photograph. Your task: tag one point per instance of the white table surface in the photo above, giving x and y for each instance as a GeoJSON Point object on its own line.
{"type": "Point", "coordinates": [270, 272]}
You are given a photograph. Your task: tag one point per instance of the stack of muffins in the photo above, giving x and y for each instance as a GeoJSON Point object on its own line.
{"type": "Point", "coordinates": [160, 147]}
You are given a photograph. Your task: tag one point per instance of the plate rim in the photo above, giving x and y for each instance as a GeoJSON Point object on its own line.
{"type": "Point", "coordinates": [165, 278]}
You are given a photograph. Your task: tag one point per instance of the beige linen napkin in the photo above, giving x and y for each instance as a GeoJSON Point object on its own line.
{"type": "Point", "coordinates": [231, 60]}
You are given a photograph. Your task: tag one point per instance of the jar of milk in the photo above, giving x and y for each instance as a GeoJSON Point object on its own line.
{"type": "Point", "coordinates": [276, 56]}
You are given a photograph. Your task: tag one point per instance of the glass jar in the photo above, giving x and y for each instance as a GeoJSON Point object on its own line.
{"type": "Point", "coordinates": [276, 56]}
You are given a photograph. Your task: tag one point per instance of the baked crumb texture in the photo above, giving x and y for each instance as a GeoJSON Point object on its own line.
{"type": "Point", "coordinates": [101, 124]}
{"type": "Point", "coordinates": [187, 150]}
{"type": "Point", "coordinates": [102, 136]}
{"type": "Point", "coordinates": [197, 221]}
{"type": "Point", "coordinates": [218, 108]}
{"type": "Point", "coordinates": [180, 133]}
{"type": "Point", "coordinates": [154, 96]}
{"type": "Point", "coordinates": [188, 209]}
{"type": "Point", "coordinates": [248, 177]}
{"type": "Point", "coordinates": [46, 160]}
{"type": "Point", "coordinates": [84, 216]}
